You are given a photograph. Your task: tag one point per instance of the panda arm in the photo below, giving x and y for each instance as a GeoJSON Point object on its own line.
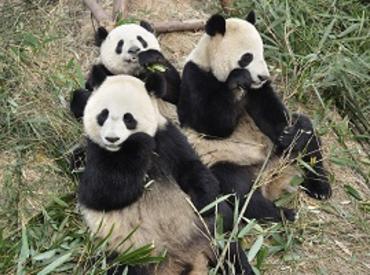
{"type": "Point", "coordinates": [154, 57]}
{"type": "Point", "coordinates": [205, 104]}
{"type": "Point", "coordinates": [191, 174]}
{"type": "Point", "coordinates": [267, 111]}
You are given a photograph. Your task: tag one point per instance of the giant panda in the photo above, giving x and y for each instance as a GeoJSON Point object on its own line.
{"type": "Point", "coordinates": [233, 117]}
{"type": "Point", "coordinates": [139, 172]}
{"type": "Point", "coordinates": [130, 49]}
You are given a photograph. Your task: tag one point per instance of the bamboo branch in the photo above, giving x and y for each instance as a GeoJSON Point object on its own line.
{"type": "Point", "coordinates": [176, 26]}
{"type": "Point", "coordinates": [120, 9]}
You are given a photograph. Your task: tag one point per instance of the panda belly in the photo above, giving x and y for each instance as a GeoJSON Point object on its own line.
{"type": "Point", "coordinates": [163, 217]}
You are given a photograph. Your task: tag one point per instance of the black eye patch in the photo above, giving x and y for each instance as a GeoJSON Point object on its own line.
{"type": "Point", "coordinates": [129, 121]}
{"type": "Point", "coordinates": [142, 41]}
{"type": "Point", "coordinates": [119, 47]}
{"type": "Point", "coordinates": [102, 117]}
{"type": "Point", "coordinates": [245, 60]}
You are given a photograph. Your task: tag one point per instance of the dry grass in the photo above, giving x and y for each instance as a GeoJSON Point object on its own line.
{"type": "Point", "coordinates": [45, 47]}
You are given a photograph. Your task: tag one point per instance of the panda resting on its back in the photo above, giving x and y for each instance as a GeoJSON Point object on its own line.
{"type": "Point", "coordinates": [233, 117]}
{"type": "Point", "coordinates": [139, 171]}
{"type": "Point", "coordinates": [130, 49]}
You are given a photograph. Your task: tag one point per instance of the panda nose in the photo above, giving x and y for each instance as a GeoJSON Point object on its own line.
{"type": "Point", "coordinates": [263, 77]}
{"type": "Point", "coordinates": [133, 50]}
{"type": "Point", "coordinates": [112, 139]}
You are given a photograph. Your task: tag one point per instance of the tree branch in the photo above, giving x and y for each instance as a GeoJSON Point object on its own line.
{"type": "Point", "coordinates": [97, 11]}
{"type": "Point", "coordinates": [120, 9]}
{"type": "Point", "coordinates": [176, 26]}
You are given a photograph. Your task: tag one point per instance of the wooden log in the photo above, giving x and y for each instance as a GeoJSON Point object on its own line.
{"type": "Point", "coordinates": [177, 26]}
{"type": "Point", "coordinates": [120, 9]}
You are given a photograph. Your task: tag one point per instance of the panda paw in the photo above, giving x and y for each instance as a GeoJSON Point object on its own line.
{"type": "Point", "coordinates": [317, 188]}
{"type": "Point", "coordinates": [78, 159]}
{"type": "Point", "coordinates": [289, 214]}
{"type": "Point", "coordinates": [239, 78]}
{"type": "Point", "coordinates": [151, 57]}
{"type": "Point", "coordinates": [297, 136]}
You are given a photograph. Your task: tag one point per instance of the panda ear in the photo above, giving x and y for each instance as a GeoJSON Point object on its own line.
{"type": "Point", "coordinates": [156, 84]}
{"type": "Point", "coordinates": [216, 24]}
{"type": "Point", "coordinates": [98, 74]}
{"type": "Point", "coordinates": [251, 17]}
{"type": "Point", "coordinates": [146, 25]}
{"type": "Point", "coordinates": [100, 36]}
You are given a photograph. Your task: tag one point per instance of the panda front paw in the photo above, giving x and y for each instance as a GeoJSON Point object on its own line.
{"type": "Point", "coordinates": [297, 136]}
{"type": "Point", "coordinates": [318, 188]}
{"type": "Point", "coordinates": [239, 78]}
{"type": "Point", "coordinates": [151, 57]}
{"type": "Point", "coordinates": [289, 214]}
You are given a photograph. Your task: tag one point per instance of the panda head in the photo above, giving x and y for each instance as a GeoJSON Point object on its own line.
{"type": "Point", "coordinates": [229, 44]}
{"type": "Point", "coordinates": [120, 107]}
{"type": "Point", "coordinates": [120, 47]}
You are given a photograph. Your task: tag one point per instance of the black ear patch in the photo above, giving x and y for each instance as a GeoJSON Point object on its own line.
{"type": "Point", "coordinates": [102, 117]}
{"type": "Point", "coordinates": [129, 121]}
{"type": "Point", "coordinates": [251, 17]}
{"type": "Point", "coordinates": [216, 24]}
{"type": "Point", "coordinates": [146, 25]}
{"type": "Point", "coordinates": [100, 36]}
{"type": "Point", "coordinates": [98, 74]}
{"type": "Point", "coordinates": [156, 84]}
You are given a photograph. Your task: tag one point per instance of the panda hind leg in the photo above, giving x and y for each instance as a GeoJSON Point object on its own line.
{"type": "Point", "coordinates": [239, 179]}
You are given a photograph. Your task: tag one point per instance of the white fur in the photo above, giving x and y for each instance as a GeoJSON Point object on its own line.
{"type": "Point", "coordinates": [119, 95]}
{"type": "Point", "coordinates": [221, 53]}
{"type": "Point", "coordinates": [125, 63]}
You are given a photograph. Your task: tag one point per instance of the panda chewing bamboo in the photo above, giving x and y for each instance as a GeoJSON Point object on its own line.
{"type": "Point", "coordinates": [130, 144]}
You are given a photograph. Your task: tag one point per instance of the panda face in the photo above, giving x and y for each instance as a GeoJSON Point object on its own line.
{"type": "Point", "coordinates": [119, 108]}
{"type": "Point", "coordinates": [240, 46]}
{"type": "Point", "coordinates": [119, 50]}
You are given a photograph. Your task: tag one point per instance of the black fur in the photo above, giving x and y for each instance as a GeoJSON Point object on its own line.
{"type": "Point", "coordinates": [251, 17]}
{"type": "Point", "coordinates": [142, 41]}
{"type": "Point", "coordinates": [245, 60]}
{"type": "Point", "coordinates": [298, 138]}
{"type": "Point", "coordinates": [79, 97]}
{"type": "Point", "coordinates": [156, 84]}
{"type": "Point", "coordinates": [113, 180]}
{"type": "Point", "coordinates": [239, 78]}
{"type": "Point", "coordinates": [78, 102]}
{"type": "Point", "coordinates": [146, 25]}
{"type": "Point", "coordinates": [153, 57]}
{"type": "Point", "coordinates": [129, 121]}
{"type": "Point", "coordinates": [119, 46]}
{"type": "Point", "coordinates": [194, 178]}
{"type": "Point", "coordinates": [206, 104]}
{"type": "Point", "coordinates": [97, 76]}
{"type": "Point", "coordinates": [267, 111]}
{"type": "Point", "coordinates": [100, 36]}
{"type": "Point", "coordinates": [102, 117]}
{"type": "Point", "coordinates": [238, 180]}
{"type": "Point", "coordinates": [216, 25]}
